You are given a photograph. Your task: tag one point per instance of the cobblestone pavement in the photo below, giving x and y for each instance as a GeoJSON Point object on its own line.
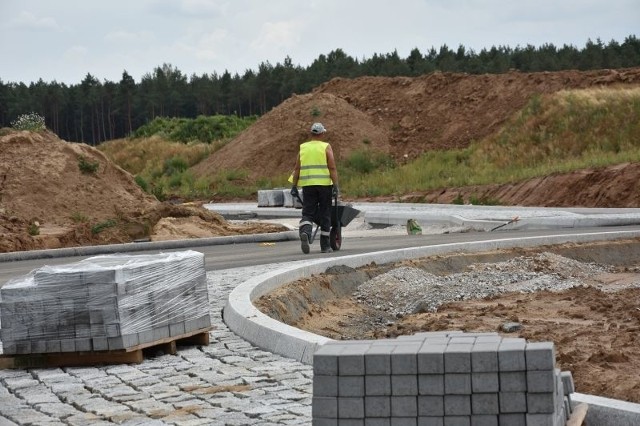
{"type": "Point", "coordinates": [229, 382]}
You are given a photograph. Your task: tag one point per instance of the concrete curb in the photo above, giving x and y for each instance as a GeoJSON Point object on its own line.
{"type": "Point", "coordinates": [150, 245]}
{"type": "Point", "coordinates": [244, 319]}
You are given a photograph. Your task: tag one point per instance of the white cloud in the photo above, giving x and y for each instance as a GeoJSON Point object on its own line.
{"type": "Point", "coordinates": [123, 36]}
{"type": "Point", "coordinates": [277, 36]}
{"type": "Point", "coordinates": [29, 21]}
{"type": "Point", "coordinates": [75, 53]}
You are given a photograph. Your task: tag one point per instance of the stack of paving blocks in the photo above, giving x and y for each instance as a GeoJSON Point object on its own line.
{"type": "Point", "coordinates": [278, 198]}
{"type": "Point", "coordinates": [109, 302]}
{"type": "Point", "coordinates": [439, 379]}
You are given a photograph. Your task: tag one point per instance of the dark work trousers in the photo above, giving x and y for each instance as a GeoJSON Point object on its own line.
{"type": "Point", "coordinates": [316, 208]}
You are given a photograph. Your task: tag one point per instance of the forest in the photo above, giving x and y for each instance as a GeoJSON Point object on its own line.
{"type": "Point", "coordinates": [93, 111]}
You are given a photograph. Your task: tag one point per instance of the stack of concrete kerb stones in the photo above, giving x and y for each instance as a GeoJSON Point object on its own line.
{"type": "Point", "coordinates": [440, 378]}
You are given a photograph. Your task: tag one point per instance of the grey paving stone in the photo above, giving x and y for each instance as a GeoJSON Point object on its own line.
{"type": "Point", "coordinates": [430, 406]}
{"type": "Point", "coordinates": [431, 384]}
{"type": "Point", "coordinates": [457, 405]}
{"type": "Point", "coordinates": [485, 382]}
{"type": "Point", "coordinates": [540, 356]}
{"type": "Point", "coordinates": [351, 386]}
{"type": "Point", "coordinates": [377, 385]}
{"type": "Point", "coordinates": [431, 358]}
{"type": "Point", "coordinates": [377, 406]}
{"type": "Point", "coordinates": [404, 406]}
{"type": "Point", "coordinates": [485, 403]}
{"type": "Point", "coordinates": [541, 381]}
{"type": "Point", "coordinates": [513, 381]}
{"type": "Point", "coordinates": [404, 385]}
{"type": "Point", "coordinates": [457, 384]}
{"type": "Point", "coordinates": [457, 358]}
{"type": "Point", "coordinates": [511, 355]}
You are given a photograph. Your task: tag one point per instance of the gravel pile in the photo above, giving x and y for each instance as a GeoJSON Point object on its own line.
{"type": "Point", "coordinates": [409, 290]}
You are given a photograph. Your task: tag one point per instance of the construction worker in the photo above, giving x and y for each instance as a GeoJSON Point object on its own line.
{"type": "Point", "coordinates": [315, 171]}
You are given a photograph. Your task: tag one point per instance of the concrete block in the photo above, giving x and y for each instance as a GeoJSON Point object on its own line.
{"type": "Point", "coordinates": [68, 345]}
{"type": "Point", "coordinates": [513, 381]}
{"type": "Point", "coordinates": [324, 407]}
{"type": "Point", "coordinates": [325, 385]}
{"type": "Point", "coordinates": [457, 384]}
{"type": "Point", "coordinates": [378, 385]}
{"type": "Point", "coordinates": [540, 356]}
{"type": "Point", "coordinates": [325, 359]}
{"type": "Point", "coordinates": [351, 386]}
{"type": "Point", "coordinates": [513, 402]}
{"type": "Point", "coordinates": [567, 382]}
{"type": "Point", "coordinates": [485, 382]}
{"type": "Point", "coordinates": [404, 406]}
{"type": "Point", "coordinates": [542, 420]}
{"type": "Point", "coordinates": [457, 405]}
{"type": "Point", "coordinates": [377, 421]}
{"type": "Point", "coordinates": [351, 360]}
{"type": "Point", "coordinates": [431, 359]}
{"type": "Point", "coordinates": [404, 421]}
{"type": "Point", "coordinates": [484, 357]}
{"type": "Point", "coordinates": [484, 420]}
{"type": "Point", "coordinates": [351, 408]}
{"type": "Point", "coordinates": [541, 381]}
{"type": "Point", "coordinates": [457, 358]}
{"type": "Point", "coordinates": [377, 406]}
{"type": "Point", "coordinates": [176, 329]}
{"type": "Point", "coordinates": [430, 421]}
{"type": "Point", "coordinates": [431, 384]}
{"type": "Point", "coordinates": [506, 419]}
{"type": "Point", "coordinates": [404, 385]}
{"type": "Point", "coordinates": [350, 422]}
{"type": "Point", "coordinates": [324, 422]}
{"type": "Point", "coordinates": [430, 406]}
{"type": "Point", "coordinates": [377, 359]}
{"type": "Point", "coordinates": [404, 359]}
{"type": "Point", "coordinates": [511, 355]}
{"type": "Point", "coordinates": [541, 403]}
{"type": "Point", "coordinates": [83, 345]}
{"type": "Point", "coordinates": [99, 344]}
{"type": "Point", "coordinates": [485, 403]}
{"type": "Point", "coordinates": [457, 421]}
{"type": "Point", "coordinates": [53, 346]}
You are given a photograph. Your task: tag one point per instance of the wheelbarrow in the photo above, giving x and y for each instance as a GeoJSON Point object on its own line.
{"type": "Point", "coordinates": [341, 215]}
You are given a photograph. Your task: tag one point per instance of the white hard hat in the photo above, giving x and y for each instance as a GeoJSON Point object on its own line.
{"type": "Point", "coordinates": [317, 128]}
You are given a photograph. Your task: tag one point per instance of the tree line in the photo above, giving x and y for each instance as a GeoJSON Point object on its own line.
{"type": "Point", "coordinates": [94, 111]}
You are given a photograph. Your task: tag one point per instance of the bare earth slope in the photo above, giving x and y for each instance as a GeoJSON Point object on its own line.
{"type": "Point", "coordinates": [43, 189]}
{"type": "Point", "coordinates": [400, 116]}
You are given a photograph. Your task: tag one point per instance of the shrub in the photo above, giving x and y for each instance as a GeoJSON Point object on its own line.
{"type": "Point", "coordinates": [32, 122]}
{"type": "Point", "coordinates": [86, 166]}
{"type": "Point", "coordinates": [34, 229]}
{"type": "Point", "coordinates": [142, 183]}
{"type": "Point", "coordinates": [99, 227]}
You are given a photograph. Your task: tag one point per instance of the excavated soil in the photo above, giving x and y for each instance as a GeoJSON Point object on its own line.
{"type": "Point", "coordinates": [594, 325]}
{"type": "Point", "coordinates": [403, 117]}
{"type": "Point", "coordinates": [47, 201]}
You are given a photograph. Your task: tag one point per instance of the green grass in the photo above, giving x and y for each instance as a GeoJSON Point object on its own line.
{"type": "Point", "coordinates": [558, 133]}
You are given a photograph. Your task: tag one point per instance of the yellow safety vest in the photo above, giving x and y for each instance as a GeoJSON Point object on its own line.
{"type": "Point", "coordinates": [313, 164]}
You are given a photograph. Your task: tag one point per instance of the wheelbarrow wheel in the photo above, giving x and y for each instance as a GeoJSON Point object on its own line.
{"type": "Point", "coordinates": [335, 237]}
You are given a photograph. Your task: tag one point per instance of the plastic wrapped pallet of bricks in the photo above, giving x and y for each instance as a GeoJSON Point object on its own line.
{"type": "Point", "coordinates": [108, 302]}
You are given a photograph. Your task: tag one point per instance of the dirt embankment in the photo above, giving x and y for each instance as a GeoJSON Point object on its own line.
{"type": "Point", "coordinates": [595, 324]}
{"type": "Point", "coordinates": [404, 117]}
{"type": "Point", "coordinates": [48, 201]}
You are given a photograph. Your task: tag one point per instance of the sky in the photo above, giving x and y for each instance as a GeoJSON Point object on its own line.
{"type": "Point", "coordinates": [64, 40]}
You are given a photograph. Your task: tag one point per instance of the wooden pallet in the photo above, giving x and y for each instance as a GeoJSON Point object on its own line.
{"type": "Point", "coordinates": [132, 355]}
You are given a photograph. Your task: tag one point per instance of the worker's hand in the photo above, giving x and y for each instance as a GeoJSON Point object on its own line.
{"type": "Point", "coordinates": [294, 191]}
{"type": "Point", "coordinates": [336, 191]}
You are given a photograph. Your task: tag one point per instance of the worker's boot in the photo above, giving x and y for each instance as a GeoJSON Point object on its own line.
{"type": "Point", "coordinates": [325, 244]}
{"type": "Point", "coordinates": [305, 236]}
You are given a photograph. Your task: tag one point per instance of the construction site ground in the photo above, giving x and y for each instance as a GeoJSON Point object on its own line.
{"type": "Point", "coordinates": [47, 201]}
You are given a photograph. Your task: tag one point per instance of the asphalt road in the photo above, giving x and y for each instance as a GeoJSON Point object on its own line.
{"type": "Point", "coordinates": [249, 254]}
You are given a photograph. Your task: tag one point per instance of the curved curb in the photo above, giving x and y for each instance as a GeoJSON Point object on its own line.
{"type": "Point", "coordinates": [244, 319]}
{"type": "Point", "coordinates": [151, 245]}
